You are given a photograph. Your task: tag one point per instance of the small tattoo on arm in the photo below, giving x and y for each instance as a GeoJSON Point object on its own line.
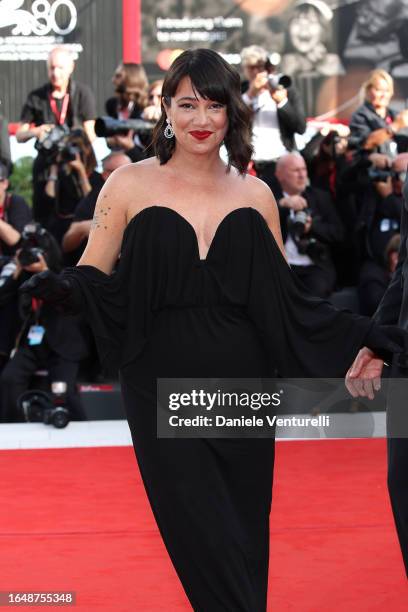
{"type": "Point", "coordinates": [99, 218]}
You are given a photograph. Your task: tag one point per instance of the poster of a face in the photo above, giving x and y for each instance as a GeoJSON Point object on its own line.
{"type": "Point", "coordinates": [328, 47]}
{"type": "Point", "coordinates": [379, 36]}
{"type": "Point", "coordinates": [309, 33]}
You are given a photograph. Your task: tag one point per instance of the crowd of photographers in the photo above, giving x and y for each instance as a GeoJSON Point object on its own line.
{"type": "Point", "coordinates": [339, 198]}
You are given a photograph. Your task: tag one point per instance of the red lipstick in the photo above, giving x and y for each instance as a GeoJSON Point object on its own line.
{"type": "Point", "coordinates": [200, 134]}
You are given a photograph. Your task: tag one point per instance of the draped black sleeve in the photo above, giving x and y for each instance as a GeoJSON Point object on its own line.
{"type": "Point", "coordinates": [118, 306]}
{"type": "Point", "coordinates": [159, 268]}
{"type": "Point", "coordinates": [306, 336]}
{"type": "Point", "coordinates": [103, 304]}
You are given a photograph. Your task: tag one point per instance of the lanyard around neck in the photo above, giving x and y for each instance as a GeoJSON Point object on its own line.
{"type": "Point", "coordinates": [60, 115]}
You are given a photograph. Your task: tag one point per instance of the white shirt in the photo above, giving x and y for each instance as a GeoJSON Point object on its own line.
{"type": "Point", "coordinates": [292, 254]}
{"type": "Point", "coordinates": [266, 138]}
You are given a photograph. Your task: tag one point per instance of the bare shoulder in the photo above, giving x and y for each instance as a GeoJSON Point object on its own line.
{"type": "Point", "coordinates": [129, 185]}
{"type": "Point", "coordinates": [260, 197]}
{"type": "Point", "coordinates": [127, 176]}
{"type": "Point", "coordinates": [117, 201]}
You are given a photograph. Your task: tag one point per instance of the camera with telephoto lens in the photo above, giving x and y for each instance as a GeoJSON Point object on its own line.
{"type": "Point", "coordinates": [35, 241]}
{"type": "Point", "coordinates": [51, 143]}
{"type": "Point", "coordinates": [279, 81]}
{"type": "Point", "coordinates": [306, 245]}
{"type": "Point", "coordinates": [48, 408]}
{"type": "Point", "coordinates": [56, 145]}
{"type": "Point", "coordinates": [276, 80]}
{"type": "Point", "coordinates": [106, 127]}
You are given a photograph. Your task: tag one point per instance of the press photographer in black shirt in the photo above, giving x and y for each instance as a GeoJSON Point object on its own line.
{"type": "Point", "coordinates": [62, 101]}
{"type": "Point", "coordinates": [75, 239]}
{"type": "Point", "coordinates": [131, 92]}
{"type": "Point", "coordinates": [70, 178]}
{"type": "Point", "coordinates": [130, 100]}
{"type": "Point", "coordinates": [14, 215]}
{"type": "Point", "coordinates": [310, 225]}
{"type": "Point", "coordinates": [47, 339]}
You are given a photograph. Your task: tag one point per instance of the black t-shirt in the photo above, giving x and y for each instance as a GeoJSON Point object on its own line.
{"type": "Point", "coordinates": [81, 106]}
{"type": "Point", "coordinates": [68, 192]}
{"type": "Point", "coordinates": [17, 213]}
{"type": "Point", "coordinates": [86, 207]}
{"type": "Point", "coordinates": [83, 212]}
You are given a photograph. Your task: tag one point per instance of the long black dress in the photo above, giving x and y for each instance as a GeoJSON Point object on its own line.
{"type": "Point", "coordinates": [238, 313]}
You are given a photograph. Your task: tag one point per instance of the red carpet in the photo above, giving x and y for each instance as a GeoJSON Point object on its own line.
{"type": "Point", "coordinates": [78, 520]}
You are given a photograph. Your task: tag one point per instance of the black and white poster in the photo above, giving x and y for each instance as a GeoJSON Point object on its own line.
{"type": "Point", "coordinates": [327, 46]}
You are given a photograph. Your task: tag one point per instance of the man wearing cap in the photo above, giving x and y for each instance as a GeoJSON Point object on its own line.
{"type": "Point", "coordinates": [278, 113]}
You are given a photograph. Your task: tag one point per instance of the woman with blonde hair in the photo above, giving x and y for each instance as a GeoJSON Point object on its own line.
{"type": "Point", "coordinates": [374, 124]}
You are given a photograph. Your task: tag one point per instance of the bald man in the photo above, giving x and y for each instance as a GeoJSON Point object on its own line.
{"type": "Point", "coordinates": [61, 101]}
{"type": "Point", "coordinates": [307, 249]}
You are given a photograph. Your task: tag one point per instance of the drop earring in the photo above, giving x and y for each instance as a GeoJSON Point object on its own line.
{"type": "Point", "coordinates": [168, 130]}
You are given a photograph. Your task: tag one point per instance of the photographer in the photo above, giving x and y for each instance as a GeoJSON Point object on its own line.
{"type": "Point", "coordinates": [152, 112]}
{"type": "Point", "coordinates": [76, 237]}
{"type": "Point", "coordinates": [46, 339]}
{"type": "Point", "coordinates": [382, 226]}
{"type": "Point", "coordinates": [310, 225]}
{"type": "Point", "coordinates": [278, 112]}
{"type": "Point", "coordinates": [131, 99]}
{"type": "Point", "coordinates": [387, 214]}
{"type": "Point", "coordinates": [14, 215]}
{"type": "Point", "coordinates": [376, 276]}
{"type": "Point", "coordinates": [70, 178]}
{"type": "Point", "coordinates": [60, 102]}
{"type": "Point", "coordinates": [374, 126]}
{"type": "Point", "coordinates": [365, 183]}
{"type": "Point", "coordinates": [131, 92]}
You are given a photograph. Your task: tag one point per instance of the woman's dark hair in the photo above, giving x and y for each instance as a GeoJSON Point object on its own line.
{"type": "Point", "coordinates": [78, 138]}
{"type": "Point", "coordinates": [214, 79]}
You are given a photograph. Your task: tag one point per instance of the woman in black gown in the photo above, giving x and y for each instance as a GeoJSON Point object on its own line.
{"type": "Point", "coordinates": [203, 290]}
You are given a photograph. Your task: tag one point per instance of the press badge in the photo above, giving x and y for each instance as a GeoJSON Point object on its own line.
{"type": "Point", "coordinates": [35, 335]}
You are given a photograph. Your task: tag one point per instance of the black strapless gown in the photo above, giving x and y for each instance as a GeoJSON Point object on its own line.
{"type": "Point", "coordinates": [238, 313]}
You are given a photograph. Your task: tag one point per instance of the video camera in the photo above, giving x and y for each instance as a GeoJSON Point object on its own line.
{"type": "Point", "coordinates": [276, 80]}
{"type": "Point", "coordinates": [56, 144]}
{"type": "Point", "coordinates": [279, 81]}
{"type": "Point", "coordinates": [108, 126]}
